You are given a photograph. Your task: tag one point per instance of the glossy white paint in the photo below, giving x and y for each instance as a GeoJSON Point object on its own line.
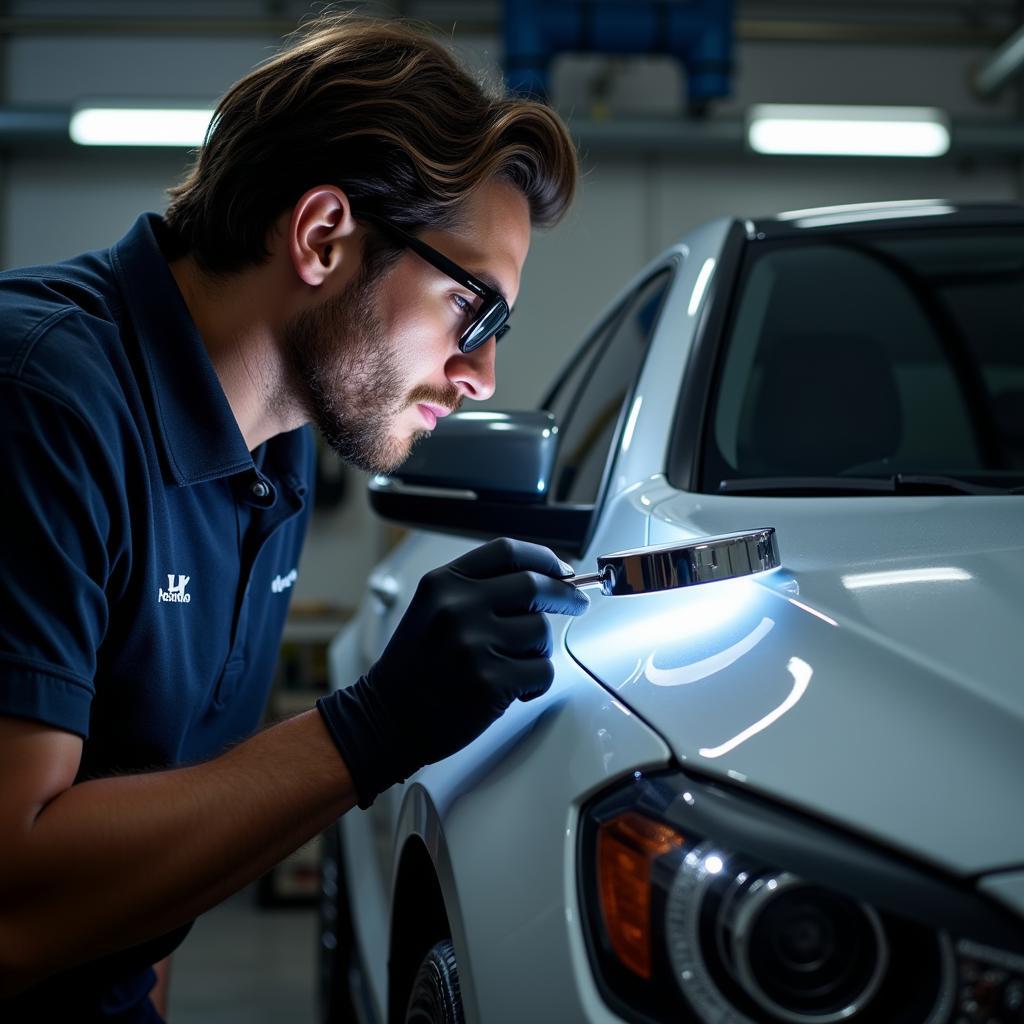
{"type": "Point", "coordinates": [915, 707]}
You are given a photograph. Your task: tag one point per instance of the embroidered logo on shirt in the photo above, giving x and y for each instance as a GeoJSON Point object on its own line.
{"type": "Point", "coordinates": [175, 591]}
{"type": "Point", "coordinates": [280, 583]}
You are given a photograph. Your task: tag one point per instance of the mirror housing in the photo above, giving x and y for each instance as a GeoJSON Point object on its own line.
{"type": "Point", "coordinates": [486, 474]}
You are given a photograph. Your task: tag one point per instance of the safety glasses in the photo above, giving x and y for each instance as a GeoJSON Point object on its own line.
{"type": "Point", "coordinates": [491, 316]}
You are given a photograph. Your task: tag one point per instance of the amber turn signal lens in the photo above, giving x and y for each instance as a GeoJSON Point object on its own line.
{"type": "Point", "coordinates": [626, 847]}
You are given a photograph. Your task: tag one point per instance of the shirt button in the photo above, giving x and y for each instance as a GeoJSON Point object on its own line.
{"type": "Point", "coordinates": [260, 489]}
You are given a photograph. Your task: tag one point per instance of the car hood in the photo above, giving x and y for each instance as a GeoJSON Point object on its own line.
{"type": "Point", "coordinates": [873, 681]}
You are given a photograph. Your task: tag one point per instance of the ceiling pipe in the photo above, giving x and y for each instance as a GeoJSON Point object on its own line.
{"type": "Point", "coordinates": [751, 30]}
{"type": "Point", "coordinates": [25, 127]}
{"type": "Point", "coordinates": [996, 70]}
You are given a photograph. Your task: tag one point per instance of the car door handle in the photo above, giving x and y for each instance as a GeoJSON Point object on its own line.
{"type": "Point", "coordinates": [385, 588]}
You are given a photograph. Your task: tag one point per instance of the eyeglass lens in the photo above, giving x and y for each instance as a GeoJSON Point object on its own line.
{"type": "Point", "coordinates": [490, 322]}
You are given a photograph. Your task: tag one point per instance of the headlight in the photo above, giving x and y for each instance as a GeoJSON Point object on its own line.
{"type": "Point", "coordinates": [705, 905]}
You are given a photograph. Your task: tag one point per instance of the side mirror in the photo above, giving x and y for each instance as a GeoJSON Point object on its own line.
{"type": "Point", "coordinates": [486, 474]}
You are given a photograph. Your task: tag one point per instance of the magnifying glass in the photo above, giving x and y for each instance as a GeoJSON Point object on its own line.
{"type": "Point", "coordinates": [669, 566]}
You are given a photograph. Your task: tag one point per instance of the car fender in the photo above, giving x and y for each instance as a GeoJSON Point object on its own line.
{"type": "Point", "coordinates": [498, 820]}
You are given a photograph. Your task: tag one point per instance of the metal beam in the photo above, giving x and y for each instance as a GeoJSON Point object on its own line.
{"type": "Point", "coordinates": [751, 30]}
{"type": "Point", "coordinates": [764, 30]}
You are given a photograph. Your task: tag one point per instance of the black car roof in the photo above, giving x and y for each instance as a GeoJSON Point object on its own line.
{"type": "Point", "coordinates": [895, 216]}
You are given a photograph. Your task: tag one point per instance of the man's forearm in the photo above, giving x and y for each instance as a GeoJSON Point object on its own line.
{"type": "Point", "coordinates": [113, 862]}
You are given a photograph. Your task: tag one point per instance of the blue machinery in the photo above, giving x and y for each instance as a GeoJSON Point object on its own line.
{"type": "Point", "coordinates": [697, 32]}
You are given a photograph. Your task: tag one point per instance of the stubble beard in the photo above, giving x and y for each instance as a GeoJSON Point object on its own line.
{"type": "Point", "coordinates": [347, 378]}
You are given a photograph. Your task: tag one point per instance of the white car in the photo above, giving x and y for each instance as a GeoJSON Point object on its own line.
{"type": "Point", "coordinates": [789, 796]}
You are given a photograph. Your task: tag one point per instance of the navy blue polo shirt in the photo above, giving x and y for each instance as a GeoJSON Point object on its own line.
{"type": "Point", "coordinates": [148, 556]}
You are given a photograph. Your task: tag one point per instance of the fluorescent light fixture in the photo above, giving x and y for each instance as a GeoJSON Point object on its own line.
{"type": "Point", "coordinates": [140, 126]}
{"type": "Point", "coordinates": [802, 130]}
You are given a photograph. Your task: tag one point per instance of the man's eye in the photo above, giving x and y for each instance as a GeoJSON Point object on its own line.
{"type": "Point", "coordinates": [464, 305]}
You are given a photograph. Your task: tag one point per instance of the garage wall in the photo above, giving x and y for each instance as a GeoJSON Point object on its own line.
{"type": "Point", "coordinates": [631, 205]}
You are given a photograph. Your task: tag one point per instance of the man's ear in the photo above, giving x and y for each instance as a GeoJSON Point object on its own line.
{"type": "Point", "coordinates": [321, 234]}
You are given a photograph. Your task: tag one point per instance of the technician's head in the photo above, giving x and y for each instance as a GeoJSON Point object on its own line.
{"type": "Point", "coordinates": [315, 159]}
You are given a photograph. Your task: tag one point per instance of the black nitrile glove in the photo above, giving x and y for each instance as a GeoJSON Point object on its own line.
{"type": "Point", "coordinates": [473, 640]}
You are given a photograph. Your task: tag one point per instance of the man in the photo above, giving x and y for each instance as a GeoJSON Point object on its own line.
{"type": "Point", "coordinates": [344, 251]}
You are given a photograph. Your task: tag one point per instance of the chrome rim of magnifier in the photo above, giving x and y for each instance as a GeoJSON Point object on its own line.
{"type": "Point", "coordinates": [703, 560]}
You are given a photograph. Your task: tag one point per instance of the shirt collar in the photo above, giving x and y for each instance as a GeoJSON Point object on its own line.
{"type": "Point", "coordinates": [197, 430]}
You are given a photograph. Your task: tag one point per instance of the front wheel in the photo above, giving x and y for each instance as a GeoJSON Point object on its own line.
{"type": "Point", "coordinates": [435, 997]}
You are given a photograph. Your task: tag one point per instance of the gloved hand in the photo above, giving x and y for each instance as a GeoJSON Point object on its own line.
{"type": "Point", "coordinates": [473, 640]}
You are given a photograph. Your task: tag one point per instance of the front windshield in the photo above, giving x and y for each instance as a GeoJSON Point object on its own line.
{"type": "Point", "coordinates": [870, 356]}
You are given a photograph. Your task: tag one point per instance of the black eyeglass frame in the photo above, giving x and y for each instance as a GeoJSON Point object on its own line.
{"type": "Point", "coordinates": [490, 320]}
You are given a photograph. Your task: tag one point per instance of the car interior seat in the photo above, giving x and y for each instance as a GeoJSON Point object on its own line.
{"type": "Point", "coordinates": [1008, 412]}
{"type": "Point", "coordinates": [822, 403]}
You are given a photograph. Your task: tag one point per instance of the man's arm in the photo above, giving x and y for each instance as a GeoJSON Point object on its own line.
{"type": "Point", "coordinates": [109, 863]}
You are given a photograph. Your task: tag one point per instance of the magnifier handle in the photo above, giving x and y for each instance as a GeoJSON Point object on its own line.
{"type": "Point", "coordinates": [588, 579]}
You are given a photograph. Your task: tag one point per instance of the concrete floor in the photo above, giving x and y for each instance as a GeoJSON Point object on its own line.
{"type": "Point", "coordinates": [243, 964]}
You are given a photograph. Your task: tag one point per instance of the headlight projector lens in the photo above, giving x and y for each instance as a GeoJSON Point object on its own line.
{"type": "Point", "coordinates": [798, 952]}
{"type": "Point", "coordinates": [804, 953]}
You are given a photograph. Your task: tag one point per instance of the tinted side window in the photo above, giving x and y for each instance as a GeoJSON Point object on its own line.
{"type": "Point", "coordinates": [589, 412]}
{"type": "Point", "coordinates": [561, 399]}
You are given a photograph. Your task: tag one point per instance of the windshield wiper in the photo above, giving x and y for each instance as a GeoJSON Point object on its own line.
{"type": "Point", "coordinates": [899, 483]}
{"type": "Point", "coordinates": [919, 482]}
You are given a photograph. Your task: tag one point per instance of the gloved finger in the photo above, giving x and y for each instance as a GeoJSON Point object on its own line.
{"type": "Point", "coordinates": [523, 592]}
{"type": "Point", "coordinates": [505, 555]}
{"type": "Point", "coordinates": [535, 679]}
{"type": "Point", "coordinates": [522, 636]}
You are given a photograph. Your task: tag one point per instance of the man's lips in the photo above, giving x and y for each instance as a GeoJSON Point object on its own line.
{"type": "Point", "coordinates": [432, 413]}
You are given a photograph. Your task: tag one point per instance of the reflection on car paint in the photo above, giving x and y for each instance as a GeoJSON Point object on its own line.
{"type": "Point", "coordinates": [700, 645]}
{"type": "Point", "coordinates": [892, 577]}
{"type": "Point", "coordinates": [813, 611]}
{"type": "Point", "coordinates": [801, 673]}
{"type": "Point", "coordinates": [703, 277]}
{"type": "Point", "coordinates": [682, 675]}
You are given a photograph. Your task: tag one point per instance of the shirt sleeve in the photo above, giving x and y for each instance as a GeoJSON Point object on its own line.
{"type": "Point", "coordinates": [55, 544]}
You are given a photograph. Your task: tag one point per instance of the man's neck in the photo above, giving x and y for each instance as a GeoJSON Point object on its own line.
{"type": "Point", "coordinates": [235, 321]}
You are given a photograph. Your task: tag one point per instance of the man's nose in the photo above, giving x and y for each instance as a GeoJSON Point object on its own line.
{"type": "Point", "coordinates": [473, 372]}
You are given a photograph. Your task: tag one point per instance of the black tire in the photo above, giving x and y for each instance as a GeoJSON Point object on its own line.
{"type": "Point", "coordinates": [435, 996]}
{"type": "Point", "coordinates": [335, 945]}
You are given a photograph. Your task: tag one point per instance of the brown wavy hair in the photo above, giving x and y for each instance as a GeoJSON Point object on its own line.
{"type": "Point", "coordinates": [383, 111]}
